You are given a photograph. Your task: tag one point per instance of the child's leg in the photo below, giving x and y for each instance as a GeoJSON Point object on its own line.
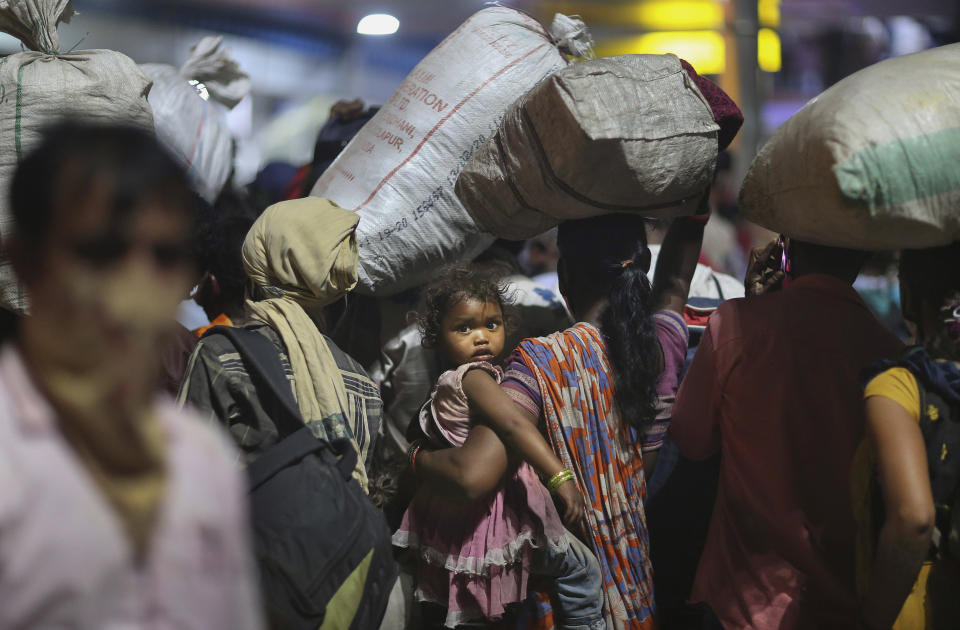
{"type": "Point", "coordinates": [578, 585]}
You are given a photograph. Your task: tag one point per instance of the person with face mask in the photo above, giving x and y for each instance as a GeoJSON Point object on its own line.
{"type": "Point", "coordinates": [116, 508]}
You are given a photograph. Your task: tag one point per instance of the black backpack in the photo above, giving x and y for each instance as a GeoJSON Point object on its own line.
{"type": "Point", "coordinates": [322, 547]}
{"type": "Point", "coordinates": [940, 425]}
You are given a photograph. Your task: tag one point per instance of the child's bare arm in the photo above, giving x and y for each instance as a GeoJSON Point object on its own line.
{"type": "Point", "coordinates": [516, 427]}
{"type": "Point", "coordinates": [518, 430]}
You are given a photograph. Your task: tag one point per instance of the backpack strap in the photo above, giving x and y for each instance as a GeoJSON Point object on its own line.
{"type": "Point", "coordinates": [878, 366]}
{"type": "Point", "coordinates": [940, 426]}
{"type": "Point", "coordinates": [291, 449]}
{"type": "Point", "coordinates": [262, 360]}
{"type": "Point", "coordinates": [716, 282]}
{"type": "Point", "coordinates": [295, 447]}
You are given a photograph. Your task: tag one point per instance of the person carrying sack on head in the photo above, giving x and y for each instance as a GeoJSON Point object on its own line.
{"type": "Point", "coordinates": [774, 388]}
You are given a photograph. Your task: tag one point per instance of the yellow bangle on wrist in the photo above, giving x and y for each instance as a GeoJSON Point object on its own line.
{"type": "Point", "coordinates": [559, 479]}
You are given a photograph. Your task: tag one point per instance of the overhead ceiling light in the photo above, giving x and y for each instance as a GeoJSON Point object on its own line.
{"type": "Point", "coordinates": [378, 24]}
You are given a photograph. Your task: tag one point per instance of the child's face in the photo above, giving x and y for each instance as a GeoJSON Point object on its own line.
{"type": "Point", "coordinates": [472, 330]}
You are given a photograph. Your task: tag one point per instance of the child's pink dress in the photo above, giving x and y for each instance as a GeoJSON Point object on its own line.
{"type": "Point", "coordinates": [474, 558]}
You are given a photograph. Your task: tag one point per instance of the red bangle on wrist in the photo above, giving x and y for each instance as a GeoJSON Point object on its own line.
{"type": "Point", "coordinates": [413, 458]}
{"type": "Point", "coordinates": [412, 451]}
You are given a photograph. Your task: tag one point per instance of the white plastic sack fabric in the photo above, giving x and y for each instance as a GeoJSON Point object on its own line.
{"type": "Point", "coordinates": [34, 22]}
{"type": "Point", "coordinates": [706, 282]}
{"type": "Point", "coordinates": [192, 127]}
{"type": "Point", "coordinates": [41, 86]}
{"type": "Point", "coordinates": [398, 172]}
{"type": "Point", "coordinates": [872, 163]}
{"type": "Point", "coordinates": [620, 134]}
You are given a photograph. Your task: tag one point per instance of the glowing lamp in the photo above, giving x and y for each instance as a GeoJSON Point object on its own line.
{"type": "Point", "coordinates": [378, 24]}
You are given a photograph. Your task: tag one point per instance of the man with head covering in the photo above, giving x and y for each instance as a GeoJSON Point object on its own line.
{"type": "Point", "coordinates": [300, 256]}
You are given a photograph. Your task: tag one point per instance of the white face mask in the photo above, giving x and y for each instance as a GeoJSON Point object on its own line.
{"type": "Point", "coordinates": [95, 330]}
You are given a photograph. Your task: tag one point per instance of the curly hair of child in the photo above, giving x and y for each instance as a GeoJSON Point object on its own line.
{"type": "Point", "coordinates": [454, 284]}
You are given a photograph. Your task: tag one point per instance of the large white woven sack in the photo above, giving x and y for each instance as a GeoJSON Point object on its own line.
{"type": "Point", "coordinates": [41, 86]}
{"type": "Point", "coordinates": [192, 126]}
{"type": "Point", "coordinates": [872, 163]}
{"type": "Point", "coordinates": [398, 172]}
{"type": "Point", "coordinates": [620, 134]}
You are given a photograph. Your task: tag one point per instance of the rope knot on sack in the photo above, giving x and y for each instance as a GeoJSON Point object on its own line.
{"type": "Point", "coordinates": [571, 36]}
{"type": "Point", "coordinates": [34, 22]}
{"type": "Point", "coordinates": [215, 73]}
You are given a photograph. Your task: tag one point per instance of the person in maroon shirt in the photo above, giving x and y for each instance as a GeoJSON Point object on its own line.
{"type": "Point", "coordinates": [774, 386]}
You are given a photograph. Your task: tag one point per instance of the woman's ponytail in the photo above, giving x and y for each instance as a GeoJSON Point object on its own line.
{"type": "Point", "coordinates": [632, 343]}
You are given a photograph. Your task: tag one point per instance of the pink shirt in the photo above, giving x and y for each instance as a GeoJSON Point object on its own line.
{"type": "Point", "coordinates": [775, 387]}
{"type": "Point", "coordinates": [64, 561]}
{"type": "Point", "coordinates": [446, 418]}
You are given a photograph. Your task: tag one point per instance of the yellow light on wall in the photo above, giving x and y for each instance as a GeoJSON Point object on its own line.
{"type": "Point", "coordinates": [705, 50]}
{"type": "Point", "coordinates": [768, 50]}
{"type": "Point", "coordinates": [768, 13]}
{"type": "Point", "coordinates": [653, 15]}
{"type": "Point", "coordinates": [671, 15]}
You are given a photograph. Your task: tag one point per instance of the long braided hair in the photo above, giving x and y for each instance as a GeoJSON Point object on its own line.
{"type": "Point", "coordinates": [607, 257]}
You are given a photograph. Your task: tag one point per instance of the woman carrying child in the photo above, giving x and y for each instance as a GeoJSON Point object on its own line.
{"type": "Point", "coordinates": [474, 557]}
{"type": "Point", "coordinates": [601, 392]}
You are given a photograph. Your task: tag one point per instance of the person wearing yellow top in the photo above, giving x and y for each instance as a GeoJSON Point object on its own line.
{"type": "Point", "coordinates": [890, 396]}
{"type": "Point", "coordinates": [904, 584]}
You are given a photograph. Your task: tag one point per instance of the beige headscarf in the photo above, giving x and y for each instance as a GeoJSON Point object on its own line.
{"type": "Point", "coordinates": [304, 252]}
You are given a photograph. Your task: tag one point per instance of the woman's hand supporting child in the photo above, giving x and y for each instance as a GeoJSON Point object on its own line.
{"type": "Point", "coordinates": [518, 431]}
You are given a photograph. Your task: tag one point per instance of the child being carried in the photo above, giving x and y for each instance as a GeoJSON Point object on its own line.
{"type": "Point", "coordinates": [475, 558]}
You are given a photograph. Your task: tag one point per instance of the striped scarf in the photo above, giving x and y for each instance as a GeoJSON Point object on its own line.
{"type": "Point", "coordinates": [584, 428]}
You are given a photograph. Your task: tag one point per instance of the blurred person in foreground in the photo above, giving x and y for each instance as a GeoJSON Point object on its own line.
{"type": "Point", "coordinates": [774, 386]}
{"type": "Point", "coordinates": [116, 508]}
